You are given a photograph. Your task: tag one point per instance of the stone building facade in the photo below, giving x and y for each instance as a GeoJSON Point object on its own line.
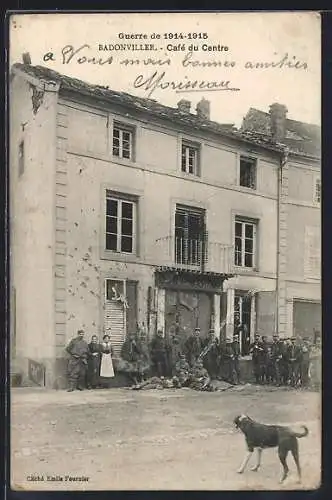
{"type": "Point", "coordinates": [128, 214]}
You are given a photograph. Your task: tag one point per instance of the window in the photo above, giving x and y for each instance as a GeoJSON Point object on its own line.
{"type": "Point", "coordinates": [190, 158]}
{"type": "Point", "coordinates": [245, 243]}
{"type": "Point", "coordinates": [248, 172]}
{"type": "Point", "coordinates": [120, 224]}
{"type": "Point", "coordinates": [190, 236]}
{"type": "Point", "coordinates": [317, 193]}
{"type": "Point", "coordinates": [122, 141]}
{"type": "Point", "coordinates": [21, 158]}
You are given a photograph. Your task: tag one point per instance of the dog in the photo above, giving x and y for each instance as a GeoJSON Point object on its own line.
{"type": "Point", "coordinates": [262, 436]}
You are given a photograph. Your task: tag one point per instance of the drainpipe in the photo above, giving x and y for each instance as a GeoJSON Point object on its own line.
{"type": "Point", "coordinates": [283, 161]}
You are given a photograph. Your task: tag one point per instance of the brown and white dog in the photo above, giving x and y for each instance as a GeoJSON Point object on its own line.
{"type": "Point", "coordinates": [262, 436]}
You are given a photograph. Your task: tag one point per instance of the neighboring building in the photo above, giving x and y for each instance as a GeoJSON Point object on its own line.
{"type": "Point", "coordinates": [299, 220]}
{"type": "Point", "coordinates": [126, 213]}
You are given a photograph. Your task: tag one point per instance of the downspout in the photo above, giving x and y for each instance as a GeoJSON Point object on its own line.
{"type": "Point", "coordinates": [283, 161]}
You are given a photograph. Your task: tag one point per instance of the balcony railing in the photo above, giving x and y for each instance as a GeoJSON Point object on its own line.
{"type": "Point", "coordinates": [195, 254]}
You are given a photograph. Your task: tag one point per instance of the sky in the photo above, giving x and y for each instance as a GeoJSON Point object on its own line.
{"type": "Point", "coordinates": [251, 38]}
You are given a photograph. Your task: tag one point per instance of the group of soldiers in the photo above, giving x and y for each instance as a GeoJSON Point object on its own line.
{"type": "Point", "coordinates": [167, 362]}
{"type": "Point", "coordinates": [284, 361]}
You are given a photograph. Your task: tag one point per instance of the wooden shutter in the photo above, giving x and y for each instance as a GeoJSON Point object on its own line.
{"type": "Point", "coordinates": [266, 313]}
{"type": "Point", "coordinates": [114, 315]}
{"type": "Point", "coordinates": [131, 311]}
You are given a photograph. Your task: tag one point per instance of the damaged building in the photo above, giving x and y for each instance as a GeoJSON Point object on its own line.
{"type": "Point", "coordinates": [127, 214]}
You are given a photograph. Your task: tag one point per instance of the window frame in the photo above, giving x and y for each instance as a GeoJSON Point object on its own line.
{"type": "Point", "coordinates": [123, 128]}
{"type": "Point", "coordinates": [188, 145]}
{"type": "Point", "coordinates": [246, 222]}
{"type": "Point", "coordinates": [253, 161]}
{"type": "Point", "coordinates": [120, 199]}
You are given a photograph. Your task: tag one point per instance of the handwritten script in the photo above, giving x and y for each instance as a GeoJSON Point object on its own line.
{"type": "Point", "coordinates": [158, 79]}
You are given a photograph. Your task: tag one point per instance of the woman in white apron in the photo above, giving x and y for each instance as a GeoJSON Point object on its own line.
{"type": "Point", "coordinates": [106, 366]}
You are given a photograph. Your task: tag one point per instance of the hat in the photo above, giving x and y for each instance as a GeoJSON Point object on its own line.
{"type": "Point", "coordinates": [293, 338]}
{"type": "Point", "coordinates": [80, 332]}
{"type": "Point", "coordinates": [106, 335]}
{"type": "Point", "coordinates": [197, 329]}
{"type": "Point", "coordinates": [211, 330]}
{"type": "Point", "coordinates": [228, 339]}
{"type": "Point", "coordinates": [275, 335]}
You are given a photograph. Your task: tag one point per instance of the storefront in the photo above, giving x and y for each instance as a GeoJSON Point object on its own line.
{"type": "Point", "coordinates": [188, 299]}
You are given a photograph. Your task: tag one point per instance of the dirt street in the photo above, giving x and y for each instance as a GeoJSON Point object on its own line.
{"type": "Point", "coordinates": [171, 439]}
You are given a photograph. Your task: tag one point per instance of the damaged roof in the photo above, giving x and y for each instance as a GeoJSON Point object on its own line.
{"type": "Point", "coordinates": [302, 138]}
{"type": "Point", "coordinates": [154, 108]}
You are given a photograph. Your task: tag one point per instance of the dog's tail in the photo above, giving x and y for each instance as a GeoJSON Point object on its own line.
{"type": "Point", "coordinates": [302, 434]}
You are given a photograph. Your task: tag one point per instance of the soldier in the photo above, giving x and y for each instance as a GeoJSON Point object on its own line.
{"type": "Point", "coordinates": [237, 353]}
{"type": "Point", "coordinates": [193, 346]}
{"type": "Point", "coordinates": [264, 360]}
{"type": "Point", "coordinates": [158, 354]}
{"type": "Point", "coordinates": [295, 355]}
{"type": "Point", "coordinates": [256, 351]}
{"type": "Point", "coordinates": [173, 351]}
{"type": "Point", "coordinates": [182, 371]}
{"type": "Point", "coordinates": [227, 360]}
{"type": "Point", "coordinates": [210, 358]}
{"type": "Point", "coordinates": [200, 379]}
{"type": "Point", "coordinates": [285, 361]}
{"type": "Point", "coordinates": [77, 364]}
{"type": "Point", "coordinates": [305, 362]}
{"type": "Point", "coordinates": [276, 356]}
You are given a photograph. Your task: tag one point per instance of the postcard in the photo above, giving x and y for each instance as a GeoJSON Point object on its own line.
{"type": "Point", "coordinates": [165, 221]}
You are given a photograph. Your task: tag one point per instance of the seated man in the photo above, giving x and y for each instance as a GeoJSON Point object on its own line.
{"type": "Point", "coordinates": [200, 379]}
{"type": "Point", "coordinates": [182, 371]}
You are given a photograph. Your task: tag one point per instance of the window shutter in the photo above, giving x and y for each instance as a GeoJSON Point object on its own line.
{"type": "Point", "coordinates": [131, 311]}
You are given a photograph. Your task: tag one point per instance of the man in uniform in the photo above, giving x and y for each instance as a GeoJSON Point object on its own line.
{"type": "Point", "coordinates": [193, 346]}
{"type": "Point", "coordinates": [275, 356]}
{"type": "Point", "coordinates": [227, 360]}
{"type": "Point", "coordinates": [173, 351]}
{"type": "Point", "coordinates": [237, 353]}
{"type": "Point", "coordinates": [305, 363]}
{"type": "Point", "coordinates": [210, 359]}
{"type": "Point", "coordinates": [295, 355]}
{"type": "Point", "coordinates": [158, 354]}
{"type": "Point", "coordinates": [182, 371]}
{"type": "Point", "coordinates": [78, 350]}
{"type": "Point", "coordinates": [200, 379]}
{"type": "Point", "coordinates": [264, 360]}
{"type": "Point", "coordinates": [256, 351]}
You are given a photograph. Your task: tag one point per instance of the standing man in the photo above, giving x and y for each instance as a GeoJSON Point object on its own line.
{"type": "Point", "coordinates": [78, 350]}
{"type": "Point", "coordinates": [305, 363]}
{"type": "Point", "coordinates": [276, 357]}
{"type": "Point", "coordinates": [295, 362]}
{"type": "Point", "coordinates": [237, 353]}
{"type": "Point", "coordinates": [265, 360]}
{"type": "Point", "coordinates": [193, 346]}
{"type": "Point", "coordinates": [256, 351]}
{"type": "Point", "coordinates": [158, 354]}
{"type": "Point", "coordinates": [210, 359]}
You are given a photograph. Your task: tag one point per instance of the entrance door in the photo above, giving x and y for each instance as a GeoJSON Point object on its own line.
{"type": "Point", "coordinates": [184, 311]}
{"type": "Point", "coordinates": [242, 319]}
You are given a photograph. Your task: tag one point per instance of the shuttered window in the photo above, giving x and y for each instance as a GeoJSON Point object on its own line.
{"type": "Point", "coordinates": [114, 314]}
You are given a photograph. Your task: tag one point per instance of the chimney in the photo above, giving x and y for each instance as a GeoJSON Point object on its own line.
{"type": "Point", "coordinates": [26, 58]}
{"type": "Point", "coordinates": [184, 106]}
{"type": "Point", "coordinates": [203, 109]}
{"type": "Point", "coordinates": [278, 114]}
